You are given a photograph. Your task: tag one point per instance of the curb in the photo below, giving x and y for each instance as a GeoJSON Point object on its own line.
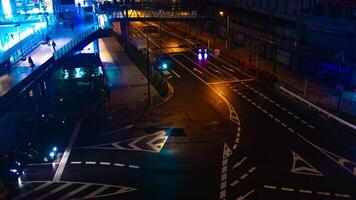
{"type": "Point", "coordinates": [167, 97]}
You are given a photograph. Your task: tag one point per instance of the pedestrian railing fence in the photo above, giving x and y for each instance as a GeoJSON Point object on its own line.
{"type": "Point", "coordinates": [74, 42]}
{"type": "Point", "coordinates": [312, 105]}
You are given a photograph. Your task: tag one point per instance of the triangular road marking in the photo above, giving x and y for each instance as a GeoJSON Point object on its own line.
{"type": "Point", "coordinates": [227, 151]}
{"type": "Point", "coordinates": [135, 144]}
{"type": "Point", "coordinates": [301, 166]}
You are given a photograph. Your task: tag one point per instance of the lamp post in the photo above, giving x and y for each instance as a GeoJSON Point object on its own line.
{"type": "Point", "coordinates": [221, 13]}
{"type": "Point", "coordinates": [148, 70]}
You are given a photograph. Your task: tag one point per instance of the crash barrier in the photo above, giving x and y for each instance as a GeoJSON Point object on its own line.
{"type": "Point", "coordinates": [311, 105]}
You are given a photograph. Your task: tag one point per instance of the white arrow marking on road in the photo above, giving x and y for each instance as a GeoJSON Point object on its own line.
{"type": "Point", "coordinates": [161, 135]}
{"type": "Point", "coordinates": [307, 168]}
{"type": "Point", "coordinates": [133, 143]}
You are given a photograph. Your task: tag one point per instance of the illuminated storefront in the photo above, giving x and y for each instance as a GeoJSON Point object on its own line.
{"type": "Point", "coordinates": [23, 24]}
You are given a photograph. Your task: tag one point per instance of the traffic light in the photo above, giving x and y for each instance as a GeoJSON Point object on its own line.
{"type": "Point", "coordinates": [164, 66]}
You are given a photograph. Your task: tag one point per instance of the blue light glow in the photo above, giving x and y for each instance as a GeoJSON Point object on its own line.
{"type": "Point", "coordinates": [13, 170]}
{"type": "Point", "coordinates": [164, 66]}
{"type": "Point", "coordinates": [51, 154]}
{"type": "Point", "coordinates": [54, 149]}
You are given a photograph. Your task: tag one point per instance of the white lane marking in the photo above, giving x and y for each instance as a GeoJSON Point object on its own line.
{"type": "Point", "coordinates": [244, 176]}
{"type": "Point", "coordinates": [96, 192]}
{"type": "Point", "coordinates": [53, 191]}
{"type": "Point", "coordinates": [283, 124]}
{"type": "Point", "coordinates": [251, 170]}
{"type": "Point", "coordinates": [277, 120]}
{"type": "Point", "coordinates": [306, 191]}
{"type": "Point", "coordinates": [323, 193]}
{"type": "Point", "coordinates": [291, 130]}
{"type": "Point", "coordinates": [287, 189]}
{"type": "Point", "coordinates": [232, 81]}
{"type": "Point", "coordinates": [43, 185]}
{"type": "Point", "coordinates": [75, 162]}
{"type": "Point", "coordinates": [304, 122]}
{"type": "Point", "coordinates": [134, 166]}
{"type": "Point", "coordinates": [119, 165]}
{"type": "Point", "coordinates": [83, 187]}
{"type": "Point", "coordinates": [311, 126]}
{"type": "Point", "coordinates": [40, 164]}
{"type": "Point", "coordinates": [174, 72]}
{"type": "Point", "coordinates": [239, 163]}
{"type": "Point", "coordinates": [243, 197]}
{"type": "Point", "coordinates": [63, 162]}
{"type": "Point", "coordinates": [270, 187]}
{"type": "Point", "coordinates": [195, 69]}
{"type": "Point", "coordinates": [90, 162]}
{"type": "Point", "coordinates": [104, 163]}
{"type": "Point", "coordinates": [234, 183]}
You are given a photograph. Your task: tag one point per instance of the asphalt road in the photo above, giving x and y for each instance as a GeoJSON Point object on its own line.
{"type": "Point", "coordinates": [221, 136]}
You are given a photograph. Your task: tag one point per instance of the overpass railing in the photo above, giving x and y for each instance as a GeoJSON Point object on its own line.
{"type": "Point", "coordinates": [74, 42]}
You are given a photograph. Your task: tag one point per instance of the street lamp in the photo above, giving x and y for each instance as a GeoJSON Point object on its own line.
{"type": "Point", "coordinates": [221, 13]}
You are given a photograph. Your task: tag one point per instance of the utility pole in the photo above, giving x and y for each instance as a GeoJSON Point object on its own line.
{"type": "Point", "coordinates": [227, 34]}
{"type": "Point", "coordinates": [148, 70]}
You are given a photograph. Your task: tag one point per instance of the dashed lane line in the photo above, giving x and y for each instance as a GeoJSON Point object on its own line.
{"type": "Point", "coordinates": [307, 191]}
{"type": "Point", "coordinates": [175, 73]}
{"type": "Point", "coordinates": [278, 105]}
{"type": "Point", "coordinates": [105, 164]}
{"type": "Point", "coordinates": [75, 162]}
{"type": "Point", "coordinates": [242, 177]}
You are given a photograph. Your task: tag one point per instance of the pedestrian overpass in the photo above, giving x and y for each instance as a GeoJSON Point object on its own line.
{"type": "Point", "coordinates": [152, 11]}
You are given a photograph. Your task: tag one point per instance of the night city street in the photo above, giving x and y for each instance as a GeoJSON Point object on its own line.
{"type": "Point", "coordinates": [177, 100]}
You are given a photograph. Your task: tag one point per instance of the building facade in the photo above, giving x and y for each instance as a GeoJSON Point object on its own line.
{"type": "Point", "coordinates": [314, 37]}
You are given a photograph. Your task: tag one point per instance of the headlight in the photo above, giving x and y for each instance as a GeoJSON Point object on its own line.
{"type": "Point", "coordinates": [54, 149]}
{"type": "Point", "coordinates": [13, 170]}
{"type": "Point", "coordinates": [51, 154]}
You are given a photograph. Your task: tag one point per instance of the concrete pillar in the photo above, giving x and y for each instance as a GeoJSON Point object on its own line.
{"type": "Point", "coordinates": [124, 30]}
{"type": "Point", "coordinates": [353, 75]}
{"type": "Point", "coordinates": [96, 46]}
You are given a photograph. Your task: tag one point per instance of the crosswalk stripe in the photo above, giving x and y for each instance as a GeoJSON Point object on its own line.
{"type": "Point", "coordinates": [53, 191]}
{"type": "Point", "coordinates": [96, 192]}
{"type": "Point", "coordinates": [33, 190]}
{"type": "Point", "coordinates": [81, 188]}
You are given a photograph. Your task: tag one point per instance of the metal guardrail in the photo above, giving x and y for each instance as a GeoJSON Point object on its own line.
{"type": "Point", "coordinates": [75, 41]}
{"type": "Point", "coordinates": [328, 114]}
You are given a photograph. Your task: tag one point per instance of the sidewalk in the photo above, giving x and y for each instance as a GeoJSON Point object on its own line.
{"type": "Point", "coordinates": [316, 92]}
{"type": "Point", "coordinates": [62, 34]}
{"type": "Point", "coordinates": [128, 85]}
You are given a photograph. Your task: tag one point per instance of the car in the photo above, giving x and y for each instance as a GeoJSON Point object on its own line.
{"type": "Point", "coordinates": [201, 51]}
{"type": "Point", "coordinates": [34, 153]}
{"type": "Point", "coordinates": [10, 167]}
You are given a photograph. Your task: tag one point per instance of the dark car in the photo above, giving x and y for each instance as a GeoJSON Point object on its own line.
{"type": "Point", "coordinates": [31, 153]}
{"type": "Point", "coordinates": [10, 167]}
